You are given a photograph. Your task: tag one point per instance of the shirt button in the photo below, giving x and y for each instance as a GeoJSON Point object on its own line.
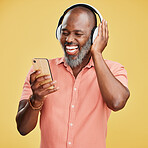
{"type": "Point", "coordinates": [71, 124]}
{"type": "Point", "coordinates": [75, 89]}
{"type": "Point", "coordinates": [69, 143]}
{"type": "Point", "coordinates": [72, 106]}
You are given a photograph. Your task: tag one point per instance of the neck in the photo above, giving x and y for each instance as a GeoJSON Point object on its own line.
{"type": "Point", "coordinates": [76, 70]}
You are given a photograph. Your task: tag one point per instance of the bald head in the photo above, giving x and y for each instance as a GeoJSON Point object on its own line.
{"type": "Point", "coordinates": [83, 10]}
{"type": "Point", "coordinates": [84, 14]}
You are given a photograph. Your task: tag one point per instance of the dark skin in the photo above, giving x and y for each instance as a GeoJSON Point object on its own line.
{"type": "Point", "coordinates": [76, 28]}
{"type": "Point", "coordinates": [27, 117]}
{"type": "Point", "coordinates": [114, 93]}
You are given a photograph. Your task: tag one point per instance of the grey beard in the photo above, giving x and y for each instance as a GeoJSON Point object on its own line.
{"type": "Point", "coordinates": [83, 52]}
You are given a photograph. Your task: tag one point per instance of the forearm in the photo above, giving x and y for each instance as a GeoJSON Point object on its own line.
{"type": "Point", "coordinates": [113, 92]}
{"type": "Point", "coordinates": [28, 112]}
{"type": "Point", "coordinates": [26, 118]}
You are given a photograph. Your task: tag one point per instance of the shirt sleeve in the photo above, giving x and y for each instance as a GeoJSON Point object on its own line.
{"type": "Point", "coordinates": [120, 73]}
{"type": "Point", "coordinates": [26, 87]}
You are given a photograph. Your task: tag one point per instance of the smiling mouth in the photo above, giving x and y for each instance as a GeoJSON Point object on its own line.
{"type": "Point", "coordinates": [72, 50]}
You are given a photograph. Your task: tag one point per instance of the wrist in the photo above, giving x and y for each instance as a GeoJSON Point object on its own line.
{"type": "Point", "coordinates": [35, 105]}
{"type": "Point", "coordinates": [96, 54]}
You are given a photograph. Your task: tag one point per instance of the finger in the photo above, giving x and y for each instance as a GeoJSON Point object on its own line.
{"type": "Point", "coordinates": [40, 81]}
{"type": "Point", "coordinates": [49, 91]}
{"type": "Point", "coordinates": [100, 30]}
{"type": "Point", "coordinates": [104, 28]}
{"type": "Point", "coordinates": [107, 32]}
{"type": "Point", "coordinates": [43, 78]}
{"type": "Point", "coordinates": [33, 76]}
{"type": "Point", "coordinates": [47, 85]}
{"type": "Point", "coordinates": [43, 93]}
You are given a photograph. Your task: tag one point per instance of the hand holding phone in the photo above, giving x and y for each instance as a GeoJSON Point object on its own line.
{"type": "Point", "coordinates": [41, 82]}
{"type": "Point", "coordinates": [42, 64]}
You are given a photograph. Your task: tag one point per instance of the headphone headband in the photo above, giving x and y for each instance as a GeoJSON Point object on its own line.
{"type": "Point", "coordinates": [93, 9]}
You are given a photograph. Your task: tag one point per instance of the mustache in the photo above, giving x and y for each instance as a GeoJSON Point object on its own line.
{"type": "Point", "coordinates": [69, 43]}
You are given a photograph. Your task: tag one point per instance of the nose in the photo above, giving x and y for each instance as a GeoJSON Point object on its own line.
{"type": "Point", "coordinates": [70, 38]}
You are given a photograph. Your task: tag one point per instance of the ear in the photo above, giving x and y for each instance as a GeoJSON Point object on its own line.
{"type": "Point", "coordinates": [58, 32]}
{"type": "Point", "coordinates": [94, 34]}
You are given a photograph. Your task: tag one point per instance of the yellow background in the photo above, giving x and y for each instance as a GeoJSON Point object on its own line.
{"type": "Point", "coordinates": [27, 30]}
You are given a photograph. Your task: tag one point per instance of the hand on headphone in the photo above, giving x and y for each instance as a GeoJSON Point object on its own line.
{"type": "Point", "coordinates": [102, 38]}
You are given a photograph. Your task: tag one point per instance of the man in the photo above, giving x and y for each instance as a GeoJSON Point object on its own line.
{"type": "Point", "coordinates": [75, 112]}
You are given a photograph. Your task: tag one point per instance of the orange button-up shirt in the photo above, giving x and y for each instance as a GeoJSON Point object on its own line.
{"type": "Point", "coordinates": [75, 116]}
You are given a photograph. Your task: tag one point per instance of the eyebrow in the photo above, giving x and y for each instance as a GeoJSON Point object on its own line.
{"type": "Point", "coordinates": [73, 31]}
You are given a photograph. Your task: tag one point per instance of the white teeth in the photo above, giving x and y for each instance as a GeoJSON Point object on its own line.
{"type": "Point", "coordinates": [71, 47]}
{"type": "Point", "coordinates": [71, 51]}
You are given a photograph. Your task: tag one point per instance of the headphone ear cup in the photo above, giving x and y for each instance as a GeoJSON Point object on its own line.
{"type": "Point", "coordinates": [58, 32]}
{"type": "Point", "coordinates": [94, 34]}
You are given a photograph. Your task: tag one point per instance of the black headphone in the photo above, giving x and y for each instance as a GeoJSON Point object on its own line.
{"type": "Point", "coordinates": [94, 10]}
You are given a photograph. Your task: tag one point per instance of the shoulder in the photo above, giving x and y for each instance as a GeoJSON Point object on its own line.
{"type": "Point", "coordinates": [112, 63]}
{"type": "Point", "coordinates": [114, 66]}
{"type": "Point", "coordinates": [56, 60]}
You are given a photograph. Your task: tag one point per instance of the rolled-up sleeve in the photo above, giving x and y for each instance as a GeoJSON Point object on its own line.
{"type": "Point", "coordinates": [26, 87]}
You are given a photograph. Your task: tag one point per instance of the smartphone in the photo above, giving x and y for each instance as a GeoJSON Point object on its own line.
{"type": "Point", "coordinates": [42, 64]}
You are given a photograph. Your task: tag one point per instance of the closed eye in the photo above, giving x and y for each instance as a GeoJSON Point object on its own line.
{"type": "Point", "coordinates": [78, 34]}
{"type": "Point", "coordinates": [65, 33]}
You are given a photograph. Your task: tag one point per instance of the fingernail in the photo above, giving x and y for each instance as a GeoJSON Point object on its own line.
{"type": "Point", "coordinates": [38, 72]}
{"type": "Point", "coordinates": [47, 77]}
{"type": "Point", "coordinates": [53, 82]}
{"type": "Point", "coordinates": [58, 88]}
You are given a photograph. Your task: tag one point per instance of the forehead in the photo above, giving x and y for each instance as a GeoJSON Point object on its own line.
{"type": "Point", "coordinates": [76, 20]}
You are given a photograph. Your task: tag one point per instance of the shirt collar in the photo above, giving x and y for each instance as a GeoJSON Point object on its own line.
{"type": "Point", "coordinates": [59, 60]}
{"type": "Point", "coordinates": [90, 64]}
{"type": "Point", "coordinates": [62, 60]}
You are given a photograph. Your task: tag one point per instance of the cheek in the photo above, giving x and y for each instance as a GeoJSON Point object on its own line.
{"type": "Point", "coordinates": [82, 42]}
{"type": "Point", "coordinates": [62, 40]}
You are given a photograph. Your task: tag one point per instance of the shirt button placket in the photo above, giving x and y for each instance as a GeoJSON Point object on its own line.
{"type": "Point", "coordinates": [71, 120]}
{"type": "Point", "coordinates": [70, 131]}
